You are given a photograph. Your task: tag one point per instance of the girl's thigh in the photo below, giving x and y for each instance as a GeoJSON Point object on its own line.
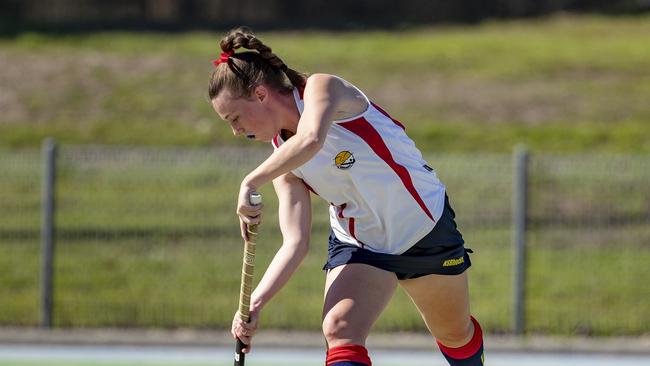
{"type": "Point", "coordinates": [355, 296]}
{"type": "Point", "coordinates": [443, 302]}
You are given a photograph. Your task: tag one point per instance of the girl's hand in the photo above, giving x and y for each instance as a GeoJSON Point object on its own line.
{"type": "Point", "coordinates": [248, 214]}
{"type": "Point", "coordinates": [245, 331]}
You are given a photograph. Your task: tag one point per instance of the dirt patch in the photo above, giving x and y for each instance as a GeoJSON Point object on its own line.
{"type": "Point", "coordinates": [90, 85]}
{"type": "Point", "coordinates": [37, 87]}
{"type": "Point", "coordinates": [531, 102]}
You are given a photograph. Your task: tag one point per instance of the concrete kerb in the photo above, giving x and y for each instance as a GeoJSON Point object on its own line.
{"type": "Point", "coordinates": [301, 339]}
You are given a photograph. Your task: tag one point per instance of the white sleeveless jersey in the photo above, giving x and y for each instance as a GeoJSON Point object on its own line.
{"type": "Point", "coordinates": [383, 197]}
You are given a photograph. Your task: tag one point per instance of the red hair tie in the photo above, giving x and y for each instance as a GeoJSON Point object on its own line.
{"type": "Point", "coordinates": [223, 58]}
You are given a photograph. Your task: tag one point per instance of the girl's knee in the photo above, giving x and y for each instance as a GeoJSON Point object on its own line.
{"type": "Point", "coordinates": [337, 331]}
{"type": "Point", "coordinates": [455, 336]}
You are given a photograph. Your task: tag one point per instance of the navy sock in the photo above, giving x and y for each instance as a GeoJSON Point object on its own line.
{"type": "Point", "coordinates": [474, 360]}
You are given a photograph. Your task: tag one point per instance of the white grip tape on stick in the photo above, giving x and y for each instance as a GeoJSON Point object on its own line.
{"type": "Point", "coordinates": [255, 199]}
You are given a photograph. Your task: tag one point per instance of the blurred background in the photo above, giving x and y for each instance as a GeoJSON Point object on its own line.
{"type": "Point", "coordinates": [534, 113]}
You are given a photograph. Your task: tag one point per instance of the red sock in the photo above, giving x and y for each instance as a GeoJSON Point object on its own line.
{"type": "Point", "coordinates": [469, 354]}
{"type": "Point", "coordinates": [348, 355]}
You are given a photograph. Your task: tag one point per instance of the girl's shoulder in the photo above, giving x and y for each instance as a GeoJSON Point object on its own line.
{"type": "Point", "coordinates": [350, 100]}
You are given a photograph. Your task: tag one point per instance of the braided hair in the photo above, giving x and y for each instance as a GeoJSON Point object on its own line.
{"type": "Point", "coordinates": [243, 71]}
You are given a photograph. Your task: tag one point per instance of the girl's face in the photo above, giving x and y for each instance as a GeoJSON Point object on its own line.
{"type": "Point", "coordinates": [251, 117]}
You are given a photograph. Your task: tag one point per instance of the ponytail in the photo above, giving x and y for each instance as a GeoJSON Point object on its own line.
{"type": "Point", "coordinates": [241, 72]}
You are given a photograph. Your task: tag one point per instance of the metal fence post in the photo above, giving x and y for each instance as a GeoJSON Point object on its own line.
{"type": "Point", "coordinates": [519, 218]}
{"type": "Point", "coordinates": [47, 231]}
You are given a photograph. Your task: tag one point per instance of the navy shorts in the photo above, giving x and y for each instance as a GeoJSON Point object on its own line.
{"type": "Point", "coordinates": [439, 252]}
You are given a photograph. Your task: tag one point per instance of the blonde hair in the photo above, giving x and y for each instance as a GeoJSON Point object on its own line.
{"type": "Point", "coordinates": [244, 71]}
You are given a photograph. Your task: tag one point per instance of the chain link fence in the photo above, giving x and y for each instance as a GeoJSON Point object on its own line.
{"type": "Point", "coordinates": [589, 244]}
{"type": "Point", "coordinates": [149, 238]}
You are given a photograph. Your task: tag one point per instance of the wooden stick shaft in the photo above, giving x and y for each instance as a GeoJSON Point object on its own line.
{"type": "Point", "coordinates": [248, 267]}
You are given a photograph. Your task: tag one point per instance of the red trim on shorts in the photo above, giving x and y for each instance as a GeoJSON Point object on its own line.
{"type": "Point", "coordinates": [387, 115]}
{"type": "Point", "coordinates": [362, 128]}
{"type": "Point", "coordinates": [467, 350]}
{"type": "Point", "coordinates": [349, 353]}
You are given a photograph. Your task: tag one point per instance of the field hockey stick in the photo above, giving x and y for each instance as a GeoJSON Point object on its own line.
{"type": "Point", "coordinates": [248, 266]}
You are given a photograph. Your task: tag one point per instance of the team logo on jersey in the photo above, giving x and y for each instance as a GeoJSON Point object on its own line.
{"type": "Point", "coordinates": [344, 160]}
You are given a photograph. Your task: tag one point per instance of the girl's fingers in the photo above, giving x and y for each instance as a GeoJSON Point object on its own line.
{"type": "Point", "coordinates": [243, 228]}
{"type": "Point", "coordinates": [251, 215]}
{"type": "Point", "coordinates": [245, 340]}
{"type": "Point", "coordinates": [249, 326]}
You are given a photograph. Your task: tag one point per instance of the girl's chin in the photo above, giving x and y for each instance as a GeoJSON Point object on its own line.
{"type": "Point", "coordinates": [258, 138]}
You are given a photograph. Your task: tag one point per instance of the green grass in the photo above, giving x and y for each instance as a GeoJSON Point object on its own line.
{"type": "Point", "coordinates": [195, 283]}
{"type": "Point", "coordinates": [564, 83]}
{"type": "Point", "coordinates": [584, 278]}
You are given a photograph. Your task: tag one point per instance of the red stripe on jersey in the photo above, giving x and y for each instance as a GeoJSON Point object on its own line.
{"type": "Point", "coordinates": [341, 210]}
{"type": "Point", "coordinates": [350, 222]}
{"type": "Point", "coordinates": [275, 142]}
{"type": "Point", "coordinates": [351, 228]}
{"type": "Point", "coordinates": [362, 128]}
{"type": "Point", "coordinates": [301, 92]}
{"type": "Point", "coordinates": [309, 187]}
{"type": "Point", "coordinates": [387, 115]}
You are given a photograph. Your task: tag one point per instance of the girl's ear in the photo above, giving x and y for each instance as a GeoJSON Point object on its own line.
{"type": "Point", "coordinates": [260, 92]}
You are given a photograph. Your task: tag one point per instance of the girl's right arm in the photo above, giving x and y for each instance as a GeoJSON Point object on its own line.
{"type": "Point", "coordinates": [295, 225]}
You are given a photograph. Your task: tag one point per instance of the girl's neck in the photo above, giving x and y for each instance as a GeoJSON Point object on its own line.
{"type": "Point", "coordinates": [290, 116]}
